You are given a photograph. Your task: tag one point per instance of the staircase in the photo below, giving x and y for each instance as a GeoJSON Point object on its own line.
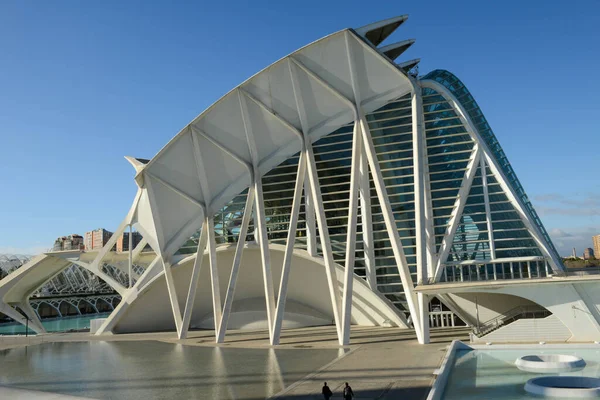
{"type": "Point", "coordinates": [521, 312]}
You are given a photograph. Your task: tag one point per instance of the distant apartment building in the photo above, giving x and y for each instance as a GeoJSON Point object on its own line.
{"type": "Point", "coordinates": [71, 242]}
{"type": "Point", "coordinates": [596, 241]}
{"type": "Point", "coordinates": [96, 239]}
{"type": "Point", "coordinates": [588, 253]}
{"type": "Point", "coordinates": [123, 241]}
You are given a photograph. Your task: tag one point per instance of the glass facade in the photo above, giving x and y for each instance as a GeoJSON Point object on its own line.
{"type": "Point", "coordinates": [449, 148]}
{"type": "Point", "coordinates": [462, 94]}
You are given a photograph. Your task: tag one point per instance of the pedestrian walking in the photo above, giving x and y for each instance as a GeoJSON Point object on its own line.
{"type": "Point", "coordinates": [327, 393]}
{"type": "Point", "coordinates": [348, 393]}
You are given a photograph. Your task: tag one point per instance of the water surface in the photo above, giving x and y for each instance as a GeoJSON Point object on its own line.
{"type": "Point", "coordinates": [492, 374]}
{"type": "Point", "coordinates": [62, 324]}
{"type": "Point", "coordinates": [156, 370]}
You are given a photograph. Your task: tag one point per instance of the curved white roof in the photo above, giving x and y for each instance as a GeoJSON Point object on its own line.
{"type": "Point", "coordinates": [258, 125]}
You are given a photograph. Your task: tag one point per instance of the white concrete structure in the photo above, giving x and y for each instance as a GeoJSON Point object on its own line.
{"type": "Point", "coordinates": [353, 180]}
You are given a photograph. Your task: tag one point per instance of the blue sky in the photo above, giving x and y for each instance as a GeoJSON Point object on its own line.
{"type": "Point", "coordinates": [83, 84]}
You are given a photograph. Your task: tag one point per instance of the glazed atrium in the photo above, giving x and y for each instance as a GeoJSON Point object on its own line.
{"type": "Point", "coordinates": [336, 186]}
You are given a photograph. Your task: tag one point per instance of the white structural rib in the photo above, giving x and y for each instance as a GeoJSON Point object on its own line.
{"type": "Point", "coordinates": [260, 220]}
{"type": "Point", "coordinates": [237, 259]}
{"type": "Point", "coordinates": [214, 275]}
{"type": "Point", "coordinates": [459, 206]}
{"type": "Point", "coordinates": [377, 32]}
{"type": "Point", "coordinates": [418, 138]}
{"type": "Point", "coordinates": [289, 248]}
{"type": "Point", "coordinates": [497, 171]}
{"type": "Point", "coordinates": [488, 215]}
{"type": "Point", "coordinates": [189, 304]}
{"type": "Point", "coordinates": [366, 219]}
{"type": "Point", "coordinates": [395, 50]}
{"type": "Point", "coordinates": [315, 191]}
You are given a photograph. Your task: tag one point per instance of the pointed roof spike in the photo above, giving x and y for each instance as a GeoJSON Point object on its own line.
{"type": "Point", "coordinates": [408, 65]}
{"type": "Point", "coordinates": [394, 50]}
{"type": "Point", "coordinates": [377, 32]}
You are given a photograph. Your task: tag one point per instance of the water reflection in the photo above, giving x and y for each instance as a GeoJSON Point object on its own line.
{"type": "Point", "coordinates": [149, 369]}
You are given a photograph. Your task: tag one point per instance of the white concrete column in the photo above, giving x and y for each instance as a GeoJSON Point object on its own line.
{"type": "Point", "coordinates": [130, 256]}
{"type": "Point", "coordinates": [189, 304]}
{"type": "Point", "coordinates": [351, 234]}
{"type": "Point", "coordinates": [237, 258]}
{"type": "Point", "coordinates": [289, 249]}
{"type": "Point", "coordinates": [367, 222]}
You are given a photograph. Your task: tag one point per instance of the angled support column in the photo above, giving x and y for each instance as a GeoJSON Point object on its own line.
{"type": "Point", "coordinates": [130, 251]}
{"type": "Point", "coordinates": [214, 275]}
{"type": "Point", "coordinates": [351, 234]}
{"type": "Point", "coordinates": [289, 249]}
{"type": "Point", "coordinates": [367, 221]}
{"type": "Point", "coordinates": [172, 295]}
{"type": "Point", "coordinates": [236, 266]}
{"type": "Point", "coordinates": [315, 191]}
{"type": "Point", "coordinates": [459, 206]}
{"type": "Point", "coordinates": [392, 229]}
{"type": "Point", "coordinates": [189, 304]}
{"type": "Point", "coordinates": [488, 215]}
{"type": "Point", "coordinates": [260, 220]}
{"type": "Point", "coordinates": [311, 226]}
{"type": "Point", "coordinates": [418, 136]}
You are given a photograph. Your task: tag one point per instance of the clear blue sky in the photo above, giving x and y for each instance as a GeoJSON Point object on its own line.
{"type": "Point", "coordinates": [83, 84]}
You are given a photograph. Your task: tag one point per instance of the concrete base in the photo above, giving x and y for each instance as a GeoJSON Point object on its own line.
{"type": "Point", "coordinates": [550, 363]}
{"type": "Point", "coordinates": [569, 387]}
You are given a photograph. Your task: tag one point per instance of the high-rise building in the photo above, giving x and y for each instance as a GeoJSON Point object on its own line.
{"type": "Point", "coordinates": [596, 241]}
{"type": "Point", "coordinates": [588, 253]}
{"type": "Point", "coordinates": [71, 242]}
{"type": "Point", "coordinates": [123, 241]}
{"type": "Point", "coordinates": [96, 239]}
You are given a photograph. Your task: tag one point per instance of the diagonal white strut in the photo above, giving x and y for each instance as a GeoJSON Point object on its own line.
{"type": "Point", "coordinates": [289, 249]}
{"type": "Point", "coordinates": [237, 258]}
{"type": "Point", "coordinates": [315, 193]}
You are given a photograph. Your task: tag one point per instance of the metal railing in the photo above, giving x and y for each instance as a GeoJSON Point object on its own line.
{"type": "Point", "coordinates": [520, 312]}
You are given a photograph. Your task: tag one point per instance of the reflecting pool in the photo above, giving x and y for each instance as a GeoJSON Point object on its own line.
{"type": "Point", "coordinates": [156, 370]}
{"type": "Point", "coordinates": [492, 374]}
{"type": "Point", "coordinates": [53, 325]}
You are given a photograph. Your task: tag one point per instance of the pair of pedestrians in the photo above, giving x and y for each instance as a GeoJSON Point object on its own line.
{"type": "Point", "coordinates": [347, 393]}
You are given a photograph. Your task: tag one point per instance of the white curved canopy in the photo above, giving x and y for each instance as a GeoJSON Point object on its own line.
{"type": "Point", "coordinates": [258, 125]}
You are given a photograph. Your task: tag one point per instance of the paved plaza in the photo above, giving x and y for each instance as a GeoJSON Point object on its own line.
{"type": "Point", "coordinates": [380, 363]}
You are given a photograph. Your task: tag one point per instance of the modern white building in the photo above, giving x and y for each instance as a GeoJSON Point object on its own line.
{"type": "Point", "coordinates": [334, 187]}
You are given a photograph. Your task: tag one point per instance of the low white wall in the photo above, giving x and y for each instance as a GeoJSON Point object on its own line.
{"type": "Point", "coordinates": [308, 295]}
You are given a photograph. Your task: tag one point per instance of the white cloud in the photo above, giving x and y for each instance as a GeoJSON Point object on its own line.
{"type": "Point", "coordinates": [565, 239]}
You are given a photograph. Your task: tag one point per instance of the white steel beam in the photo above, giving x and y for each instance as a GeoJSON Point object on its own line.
{"type": "Point", "coordinates": [367, 221]}
{"type": "Point", "coordinates": [418, 137]}
{"type": "Point", "coordinates": [284, 122]}
{"type": "Point", "coordinates": [311, 226]}
{"type": "Point", "coordinates": [289, 248]}
{"type": "Point", "coordinates": [189, 304]}
{"type": "Point", "coordinates": [488, 215]}
{"type": "Point", "coordinates": [351, 234]}
{"type": "Point", "coordinates": [176, 191]}
{"type": "Point", "coordinates": [201, 171]}
{"type": "Point", "coordinates": [172, 296]}
{"type": "Point", "coordinates": [459, 206]}
{"type": "Point", "coordinates": [214, 274]}
{"type": "Point", "coordinates": [315, 192]}
{"type": "Point", "coordinates": [260, 220]}
{"type": "Point", "coordinates": [352, 205]}
{"type": "Point", "coordinates": [497, 171]}
{"type": "Point", "coordinates": [130, 256]}
{"type": "Point", "coordinates": [225, 149]}
{"type": "Point", "coordinates": [236, 265]}
{"type": "Point", "coordinates": [392, 229]}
